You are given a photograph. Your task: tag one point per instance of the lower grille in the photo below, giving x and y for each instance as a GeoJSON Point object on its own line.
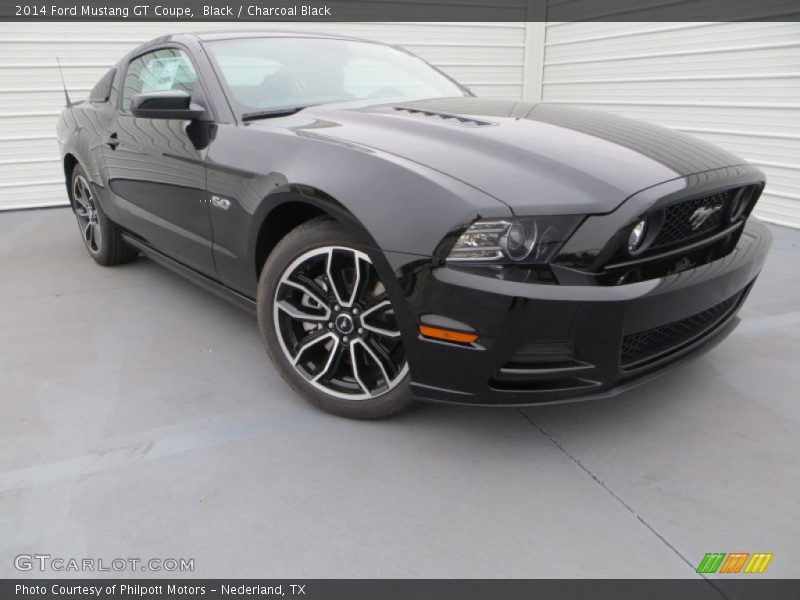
{"type": "Point", "coordinates": [646, 346]}
{"type": "Point", "coordinates": [544, 367]}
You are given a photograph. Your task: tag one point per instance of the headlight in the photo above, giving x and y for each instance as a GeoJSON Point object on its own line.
{"type": "Point", "coordinates": [513, 240]}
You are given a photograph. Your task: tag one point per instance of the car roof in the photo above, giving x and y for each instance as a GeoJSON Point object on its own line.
{"type": "Point", "coordinates": [207, 36]}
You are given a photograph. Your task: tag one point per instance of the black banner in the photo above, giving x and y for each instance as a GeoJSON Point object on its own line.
{"type": "Point", "coordinates": [395, 10]}
{"type": "Point", "coordinates": [418, 589]}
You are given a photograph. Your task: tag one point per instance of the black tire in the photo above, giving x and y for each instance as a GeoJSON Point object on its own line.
{"type": "Point", "coordinates": [315, 236]}
{"type": "Point", "coordinates": [100, 236]}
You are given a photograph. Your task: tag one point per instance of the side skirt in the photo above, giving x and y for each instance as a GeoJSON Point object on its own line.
{"type": "Point", "coordinates": [206, 282]}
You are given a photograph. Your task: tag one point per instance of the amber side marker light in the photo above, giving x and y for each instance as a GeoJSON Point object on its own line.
{"type": "Point", "coordinates": [447, 335]}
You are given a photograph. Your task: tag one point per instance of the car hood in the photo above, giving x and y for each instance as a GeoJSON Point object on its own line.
{"type": "Point", "coordinates": [536, 158]}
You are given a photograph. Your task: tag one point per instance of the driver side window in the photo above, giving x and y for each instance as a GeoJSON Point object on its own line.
{"type": "Point", "coordinates": [158, 71]}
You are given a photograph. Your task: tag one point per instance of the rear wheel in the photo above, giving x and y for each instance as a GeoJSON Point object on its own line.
{"type": "Point", "coordinates": [100, 236]}
{"type": "Point", "coordinates": [329, 326]}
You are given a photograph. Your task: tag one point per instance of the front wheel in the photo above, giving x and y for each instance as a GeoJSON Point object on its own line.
{"type": "Point", "coordinates": [329, 326]}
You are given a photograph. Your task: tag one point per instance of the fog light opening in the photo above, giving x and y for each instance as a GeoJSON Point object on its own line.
{"type": "Point", "coordinates": [637, 235]}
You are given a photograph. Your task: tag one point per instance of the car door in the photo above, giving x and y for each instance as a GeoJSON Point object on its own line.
{"type": "Point", "coordinates": [156, 167]}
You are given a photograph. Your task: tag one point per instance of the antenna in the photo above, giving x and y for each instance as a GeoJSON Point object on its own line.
{"type": "Point", "coordinates": [66, 95]}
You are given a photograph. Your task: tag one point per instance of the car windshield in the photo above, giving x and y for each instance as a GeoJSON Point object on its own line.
{"type": "Point", "coordinates": [266, 74]}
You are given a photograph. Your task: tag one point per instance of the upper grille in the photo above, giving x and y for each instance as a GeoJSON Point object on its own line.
{"type": "Point", "coordinates": [684, 221]}
{"type": "Point", "coordinates": [680, 236]}
{"type": "Point", "coordinates": [645, 346]}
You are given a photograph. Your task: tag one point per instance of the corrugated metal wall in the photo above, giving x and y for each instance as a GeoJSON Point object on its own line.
{"type": "Point", "coordinates": [488, 57]}
{"type": "Point", "coordinates": [734, 84]}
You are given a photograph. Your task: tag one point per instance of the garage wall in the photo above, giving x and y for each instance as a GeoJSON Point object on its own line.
{"type": "Point", "coordinates": [734, 84]}
{"type": "Point", "coordinates": [487, 57]}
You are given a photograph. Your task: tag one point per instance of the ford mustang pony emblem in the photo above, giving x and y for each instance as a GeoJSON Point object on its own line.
{"type": "Point", "coordinates": [702, 214]}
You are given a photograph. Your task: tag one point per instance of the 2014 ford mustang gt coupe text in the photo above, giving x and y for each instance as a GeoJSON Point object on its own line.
{"type": "Point", "coordinates": [400, 238]}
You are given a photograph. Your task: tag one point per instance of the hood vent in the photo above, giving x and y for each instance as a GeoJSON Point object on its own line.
{"type": "Point", "coordinates": [454, 119]}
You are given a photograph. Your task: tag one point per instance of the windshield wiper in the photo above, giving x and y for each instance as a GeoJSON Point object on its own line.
{"type": "Point", "coordinates": [274, 112]}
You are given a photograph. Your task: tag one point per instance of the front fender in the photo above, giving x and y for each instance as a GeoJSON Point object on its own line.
{"type": "Point", "coordinates": [313, 197]}
{"type": "Point", "coordinates": [384, 191]}
{"type": "Point", "coordinates": [390, 203]}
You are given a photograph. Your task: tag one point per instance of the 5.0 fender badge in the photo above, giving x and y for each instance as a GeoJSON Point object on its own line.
{"type": "Point", "coordinates": [220, 202]}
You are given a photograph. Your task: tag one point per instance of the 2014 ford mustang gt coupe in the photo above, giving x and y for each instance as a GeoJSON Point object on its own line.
{"type": "Point", "coordinates": [400, 238]}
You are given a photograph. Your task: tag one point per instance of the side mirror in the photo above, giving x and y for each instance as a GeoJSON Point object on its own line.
{"type": "Point", "coordinates": [172, 104]}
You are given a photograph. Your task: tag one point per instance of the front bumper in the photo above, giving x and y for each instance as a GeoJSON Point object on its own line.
{"type": "Point", "coordinates": [544, 343]}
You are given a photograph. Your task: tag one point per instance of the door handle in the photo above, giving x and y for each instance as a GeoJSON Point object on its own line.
{"type": "Point", "coordinates": [112, 141]}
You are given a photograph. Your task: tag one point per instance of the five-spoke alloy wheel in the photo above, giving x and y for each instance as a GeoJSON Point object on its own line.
{"type": "Point", "coordinates": [332, 320]}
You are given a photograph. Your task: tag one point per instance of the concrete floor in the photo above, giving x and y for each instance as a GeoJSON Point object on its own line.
{"type": "Point", "coordinates": [140, 418]}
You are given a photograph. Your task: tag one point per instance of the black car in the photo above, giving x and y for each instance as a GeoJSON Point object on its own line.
{"type": "Point", "coordinates": [400, 238]}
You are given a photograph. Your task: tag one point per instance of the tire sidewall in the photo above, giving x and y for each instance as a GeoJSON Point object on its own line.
{"type": "Point", "coordinates": [102, 256]}
{"type": "Point", "coordinates": [315, 234]}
